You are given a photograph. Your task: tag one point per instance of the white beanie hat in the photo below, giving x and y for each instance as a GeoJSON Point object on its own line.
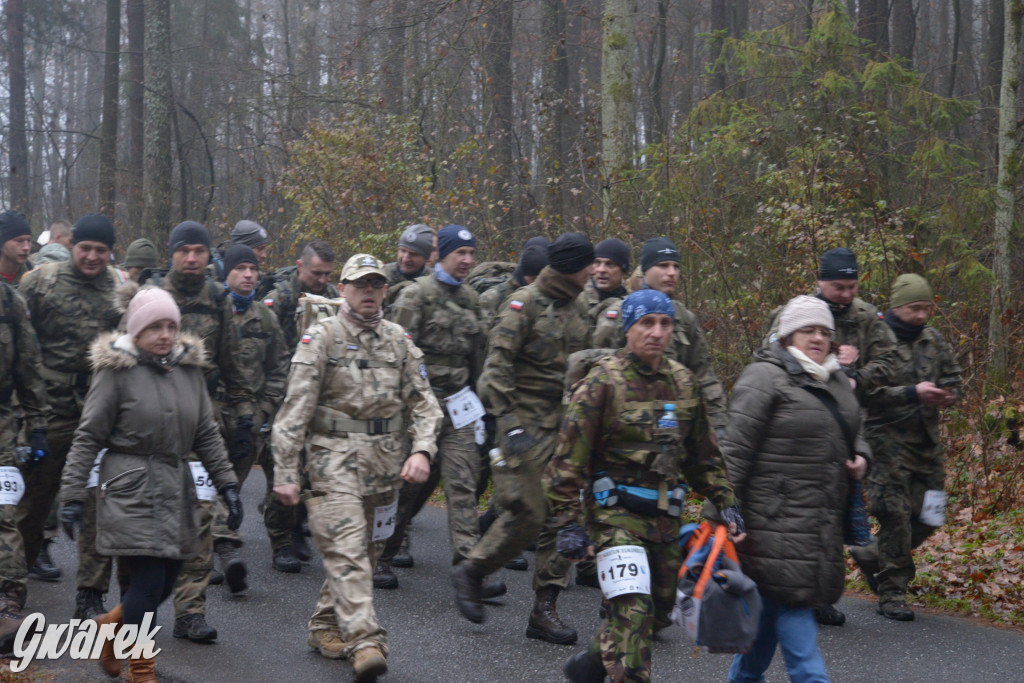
{"type": "Point", "coordinates": [804, 311]}
{"type": "Point", "coordinates": [149, 305]}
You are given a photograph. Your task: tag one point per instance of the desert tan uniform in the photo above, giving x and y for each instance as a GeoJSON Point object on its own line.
{"type": "Point", "coordinates": [350, 393]}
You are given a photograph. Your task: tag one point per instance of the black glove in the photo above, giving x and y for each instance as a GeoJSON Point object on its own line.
{"type": "Point", "coordinates": [572, 542]}
{"type": "Point", "coordinates": [732, 515]}
{"type": "Point", "coordinates": [518, 440]}
{"type": "Point", "coordinates": [40, 446]}
{"type": "Point", "coordinates": [234, 505]}
{"type": "Point", "coordinates": [72, 514]}
{"type": "Point", "coordinates": [242, 442]}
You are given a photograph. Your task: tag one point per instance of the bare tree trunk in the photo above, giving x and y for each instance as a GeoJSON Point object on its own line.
{"type": "Point", "coordinates": [108, 129]}
{"type": "Point", "coordinates": [954, 53]}
{"type": "Point", "coordinates": [903, 30]}
{"type": "Point", "coordinates": [156, 215]}
{"type": "Point", "coordinates": [394, 58]}
{"type": "Point", "coordinates": [555, 90]}
{"type": "Point", "coordinates": [18, 146]}
{"type": "Point", "coordinates": [136, 16]}
{"type": "Point", "coordinates": [993, 60]}
{"type": "Point", "coordinates": [497, 109]}
{"type": "Point", "coordinates": [617, 105]}
{"type": "Point", "coordinates": [872, 23]}
{"type": "Point", "coordinates": [659, 46]}
{"type": "Point", "coordinates": [1006, 192]}
{"type": "Point", "coordinates": [719, 23]}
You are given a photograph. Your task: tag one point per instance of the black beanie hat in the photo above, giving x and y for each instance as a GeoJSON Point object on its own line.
{"type": "Point", "coordinates": [188, 232]}
{"type": "Point", "coordinates": [570, 253]}
{"type": "Point", "coordinates": [533, 257]}
{"type": "Point", "coordinates": [657, 250]}
{"type": "Point", "coordinates": [838, 264]}
{"type": "Point", "coordinates": [237, 254]}
{"type": "Point", "coordinates": [13, 224]}
{"type": "Point", "coordinates": [93, 227]}
{"type": "Point", "coordinates": [614, 250]}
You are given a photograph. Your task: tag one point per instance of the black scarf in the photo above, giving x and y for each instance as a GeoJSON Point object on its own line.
{"type": "Point", "coordinates": [837, 309]}
{"type": "Point", "coordinates": [903, 331]}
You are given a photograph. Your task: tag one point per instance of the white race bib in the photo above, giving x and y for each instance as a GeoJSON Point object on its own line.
{"type": "Point", "coordinates": [94, 473]}
{"type": "Point", "coordinates": [384, 521]}
{"type": "Point", "coordinates": [464, 407]}
{"type": "Point", "coordinates": [624, 569]}
{"type": "Point", "coordinates": [205, 489]}
{"type": "Point", "coordinates": [12, 486]}
{"type": "Point", "coordinates": [933, 509]}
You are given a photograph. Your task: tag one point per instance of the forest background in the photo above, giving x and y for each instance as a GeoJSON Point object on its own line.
{"type": "Point", "coordinates": [756, 134]}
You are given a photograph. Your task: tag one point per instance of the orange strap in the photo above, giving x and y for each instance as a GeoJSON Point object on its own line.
{"type": "Point", "coordinates": [697, 540]}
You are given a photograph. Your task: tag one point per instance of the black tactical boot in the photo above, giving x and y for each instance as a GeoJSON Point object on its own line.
{"type": "Point", "coordinates": [44, 569]}
{"type": "Point", "coordinates": [232, 565]}
{"type": "Point", "coordinates": [584, 667]}
{"type": "Point", "coordinates": [383, 577]}
{"type": "Point", "coordinates": [517, 564]}
{"type": "Point", "coordinates": [285, 561]}
{"type": "Point", "coordinates": [88, 604]}
{"type": "Point", "coordinates": [545, 624]}
{"type": "Point", "coordinates": [829, 616]}
{"type": "Point", "coordinates": [866, 558]}
{"type": "Point", "coordinates": [403, 558]}
{"type": "Point", "coordinates": [895, 609]}
{"type": "Point", "coordinates": [195, 628]}
{"type": "Point", "coordinates": [494, 588]}
{"type": "Point", "coordinates": [468, 584]}
{"type": "Point", "coordinates": [300, 546]}
{"type": "Point", "coordinates": [216, 578]}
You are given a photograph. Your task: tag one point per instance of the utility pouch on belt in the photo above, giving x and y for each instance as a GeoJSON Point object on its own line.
{"type": "Point", "coordinates": [637, 499]}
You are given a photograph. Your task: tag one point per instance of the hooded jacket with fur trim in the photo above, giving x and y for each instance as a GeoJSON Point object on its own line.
{"type": "Point", "coordinates": [147, 414]}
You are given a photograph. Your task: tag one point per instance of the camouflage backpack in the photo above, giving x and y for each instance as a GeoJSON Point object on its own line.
{"type": "Point", "coordinates": [489, 274]}
{"type": "Point", "coordinates": [271, 280]}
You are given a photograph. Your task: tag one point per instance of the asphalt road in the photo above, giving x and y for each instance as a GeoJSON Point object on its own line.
{"type": "Point", "coordinates": [263, 635]}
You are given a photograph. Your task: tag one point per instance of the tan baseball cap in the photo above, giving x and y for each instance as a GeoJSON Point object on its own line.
{"type": "Point", "coordinates": [360, 266]}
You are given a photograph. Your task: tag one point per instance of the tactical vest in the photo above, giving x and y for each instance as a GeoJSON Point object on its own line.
{"type": "Point", "coordinates": [461, 304]}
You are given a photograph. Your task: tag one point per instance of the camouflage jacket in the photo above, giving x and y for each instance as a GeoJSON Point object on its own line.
{"type": "Point", "coordinates": [444, 322]}
{"type": "Point", "coordinates": [610, 420]}
{"type": "Point", "coordinates": [206, 312]}
{"type": "Point", "coordinates": [23, 270]}
{"type": "Point", "coordinates": [19, 364]}
{"type": "Point", "coordinates": [283, 300]}
{"type": "Point", "coordinates": [689, 347]}
{"type": "Point", "coordinates": [397, 281]}
{"type": "Point", "coordinates": [68, 311]}
{"type": "Point", "coordinates": [339, 373]}
{"type": "Point", "coordinates": [264, 358]}
{"type": "Point", "coordinates": [539, 326]}
{"type": "Point", "coordinates": [861, 326]}
{"type": "Point", "coordinates": [597, 302]}
{"type": "Point", "coordinates": [493, 298]}
{"type": "Point", "coordinates": [895, 407]}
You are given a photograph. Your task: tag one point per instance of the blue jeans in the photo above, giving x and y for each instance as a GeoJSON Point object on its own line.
{"type": "Point", "coordinates": [795, 629]}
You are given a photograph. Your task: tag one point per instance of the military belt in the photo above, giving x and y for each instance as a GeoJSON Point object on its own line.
{"type": "Point", "coordinates": [72, 379]}
{"type": "Point", "coordinates": [448, 360]}
{"type": "Point", "coordinates": [363, 363]}
{"type": "Point", "coordinates": [329, 421]}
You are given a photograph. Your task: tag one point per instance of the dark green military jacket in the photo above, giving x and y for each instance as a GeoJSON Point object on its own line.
{"type": "Point", "coordinates": [19, 367]}
{"type": "Point", "coordinates": [610, 427]}
{"type": "Point", "coordinates": [597, 302]}
{"type": "Point", "coordinates": [68, 311]}
{"type": "Point", "coordinates": [283, 300]}
{"type": "Point", "coordinates": [860, 325]}
{"type": "Point", "coordinates": [264, 357]}
{"type": "Point", "coordinates": [895, 408]}
{"type": "Point", "coordinates": [493, 298]}
{"type": "Point", "coordinates": [397, 281]}
{"type": "Point", "coordinates": [538, 327]}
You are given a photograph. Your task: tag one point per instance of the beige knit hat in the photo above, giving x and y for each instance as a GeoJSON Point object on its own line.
{"type": "Point", "coordinates": [804, 311]}
{"type": "Point", "coordinates": [149, 305]}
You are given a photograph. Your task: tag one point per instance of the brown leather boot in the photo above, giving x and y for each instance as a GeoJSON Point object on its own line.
{"type": "Point", "coordinates": [545, 624]}
{"type": "Point", "coordinates": [142, 670]}
{"type": "Point", "coordinates": [10, 622]}
{"type": "Point", "coordinates": [108, 660]}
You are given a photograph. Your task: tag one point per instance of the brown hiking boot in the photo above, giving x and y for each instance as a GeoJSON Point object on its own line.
{"type": "Point", "coordinates": [368, 663]}
{"type": "Point", "coordinates": [142, 670]}
{"type": "Point", "coordinates": [545, 624]}
{"type": "Point", "coordinates": [108, 659]}
{"type": "Point", "coordinates": [10, 622]}
{"type": "Point", "coordinates": [328, 643]}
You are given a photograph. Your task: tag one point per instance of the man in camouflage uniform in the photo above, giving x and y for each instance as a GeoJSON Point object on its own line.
{"type": "Point", "coordinates": [140, 255]}
{"type": "Point", "coordinates": [69, 303]}
{"type": "Point", "coordinates": [265, 359]}
{"type": "Point", "coordinates": [206, 311]}
{"type": "Point", "coordinates": [415, 246]}
{"type": "Point", "coordinates": [19, 374]}
{"type": "Point", "coordinates": [611, 430]}
{"type": "Point", "coordinates": [539, 327]}
{"type": "Point", "coordinates": [442, 316]}
{"type": "Point", "coordinates": [866, 345]}
{"type": "Point", "coordinates": [312, 272]}
{"type": "Point", "coordinates": [659, 262]}
{"type": "Point", "coordinates": [532, 260]}
{"type": "Point", "coordinates": [15, 246]}
{"type": "Point", "coordinates": [356, 391]}
{"type": "Point", "coordinates": [903, 429]}
{"type": "Point", "coordinates": [606, 288]}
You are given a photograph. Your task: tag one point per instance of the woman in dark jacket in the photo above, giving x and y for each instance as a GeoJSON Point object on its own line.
{"type": "Point", "coordinates": [789, 460]}
{"type": "Point", "coordinates": [147, 408]}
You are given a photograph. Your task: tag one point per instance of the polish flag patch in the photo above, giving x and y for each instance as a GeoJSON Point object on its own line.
{"type": "Point", "coordinates": [306, 338]}
{"type": "Point", "coordinates": [613, 314]}
{"type": "Point", "coordinates": [268, 302]}
{"type": "Point", "coordinates": [516, 305]}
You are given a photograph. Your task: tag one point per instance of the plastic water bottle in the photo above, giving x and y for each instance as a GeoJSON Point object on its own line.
{"type": "Point", "coordinates": [668, 418]}
{"type": "Point", "coordinates": [497, 458]}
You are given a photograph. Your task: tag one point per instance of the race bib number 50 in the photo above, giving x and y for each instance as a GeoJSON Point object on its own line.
{"type": "Point", "coordinates": [624, 569]}
{"type": "Point", "coordinates": [205, 490]}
